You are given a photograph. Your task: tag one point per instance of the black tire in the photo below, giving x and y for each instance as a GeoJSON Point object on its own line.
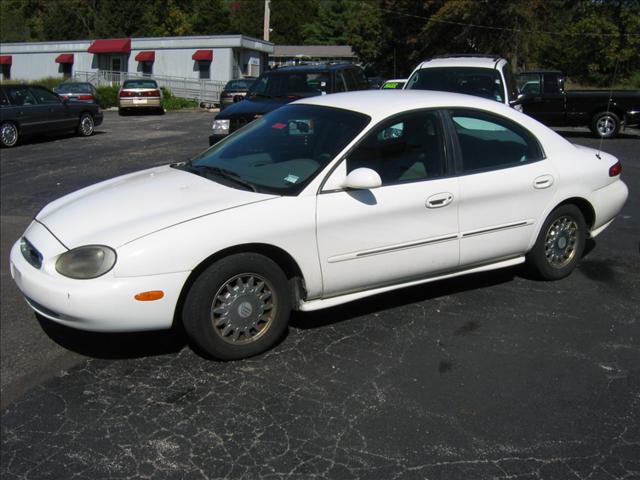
{"type": "Point", "coordinates": [222, 310]}
{"type": "Point", "coordinates": [160, 111]}
{"type": "Point", "coordinates": [605, 124]}
{"type": "Point", "coordinates": [9, 134]}
{"type": "Point", "coordinates": [122, 112]}
{"type": "Point", "coordinates": [86, 125]}
{"type": "Point", "coordinates": [559, 245]}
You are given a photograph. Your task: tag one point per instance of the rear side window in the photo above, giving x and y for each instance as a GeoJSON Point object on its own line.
{"type": "Point", "coordinates": [490, 142]}
{"type": "Point", "coordinates": [45, 96]}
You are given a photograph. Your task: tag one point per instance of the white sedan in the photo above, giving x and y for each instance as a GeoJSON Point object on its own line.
{"type": "Point", "coordinates": [321, 202]}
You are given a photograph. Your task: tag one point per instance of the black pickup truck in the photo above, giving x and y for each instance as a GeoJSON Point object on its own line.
{"type": "Point", "coordinates": [542, 96]}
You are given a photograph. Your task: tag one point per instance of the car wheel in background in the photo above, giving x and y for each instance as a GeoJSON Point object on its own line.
{"type": "Point", "coordinates": [605, 125]}
{"type": "Point", "coordinates": [560, 243]}
{"type": "Point", "coordinates": [238, 307]}
{"type": "Point", "coordinates": [8, 134]}
{"type": "Point", "coordinates": [86, 125]}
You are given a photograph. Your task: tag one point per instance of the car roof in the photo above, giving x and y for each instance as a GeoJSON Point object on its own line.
{"type": "Point", "coordinates": [312, 67]}
{"type": "Point", "coordinates": [482, 61]}
{"type": "Point", "coordinates": [384, 103]}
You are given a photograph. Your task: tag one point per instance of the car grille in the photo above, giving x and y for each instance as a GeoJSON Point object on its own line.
{"type": "Point", "coordinates": [237, 123]}
{"type": "Point", "coordinates": [30, 253]}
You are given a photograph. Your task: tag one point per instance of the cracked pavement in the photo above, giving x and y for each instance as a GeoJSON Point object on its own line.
{"type": "Point", "coordinates": [488, 376]}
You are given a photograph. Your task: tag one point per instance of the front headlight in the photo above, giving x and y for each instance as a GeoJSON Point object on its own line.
{"type": "Point", "coordinates": [87, 262]}
{"type": "Point", "coordinates": [221, 127]}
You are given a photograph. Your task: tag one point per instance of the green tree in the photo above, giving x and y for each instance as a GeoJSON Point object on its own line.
{"type": "Point", "coordinates": [13, 24]}
{"type": "Point", "coordinates": [329, 27]}
{"type": "Point", "coordinates": [209, 17]}
{"type": "Point", "coordinates": [289, 18]}
{"type": "Point", "coordinates": [247, 17]}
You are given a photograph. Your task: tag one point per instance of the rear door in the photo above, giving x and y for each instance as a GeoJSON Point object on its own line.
{"type": "Point", "coordinates": [53, 112]}
{"type": "Point", "coordinates": [506, 184]}
{"type": "Point", "coordinates": [24, 109]}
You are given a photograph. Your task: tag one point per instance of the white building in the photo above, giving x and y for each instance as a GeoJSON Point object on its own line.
{"type": "Point", "coordinates": [215, 59]}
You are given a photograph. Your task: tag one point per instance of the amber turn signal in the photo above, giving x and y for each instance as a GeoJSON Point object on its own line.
{"type": "Point", "coordinates": [149, 296]}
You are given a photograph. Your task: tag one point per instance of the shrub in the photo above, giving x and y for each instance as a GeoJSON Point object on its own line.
{"type": "Point", "coordinates": [172, 102]}
{"type": "Point", "coordinates": [108, 96]}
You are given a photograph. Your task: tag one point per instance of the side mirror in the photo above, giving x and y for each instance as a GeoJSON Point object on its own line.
{"type": "Point", "coordinates": [363, 179]}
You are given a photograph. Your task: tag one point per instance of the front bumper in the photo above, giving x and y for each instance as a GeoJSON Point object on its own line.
{"type": "Point", "coordinates": [213, 139]}
{"type": "Point", "coordinates": [104, 304]}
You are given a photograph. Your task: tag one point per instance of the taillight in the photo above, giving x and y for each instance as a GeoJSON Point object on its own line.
{"type": "Point", "coordinates": [124, 93]}
{"type": "Point", "coordinates": [85, 97]}
{"type": "Point", "coordinates": [615, 169]}
{"type": "Point", "coordinates": [153, 93]}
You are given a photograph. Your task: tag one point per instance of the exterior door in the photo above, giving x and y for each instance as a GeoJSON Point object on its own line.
{"type": "Point", "coordinates": [405, 229]}
{"type": "Point", "coordinates": [505, 186]}
{"type": "Point", "coordinates": [53, 112]}
{"type": "Point", "coordinates": [548, 107]}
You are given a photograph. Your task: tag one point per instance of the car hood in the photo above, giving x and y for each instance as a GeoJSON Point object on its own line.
{"type": "Point", "coordinates": [248, 107]}
{"type": "Point", "coordinates": [125, 208]}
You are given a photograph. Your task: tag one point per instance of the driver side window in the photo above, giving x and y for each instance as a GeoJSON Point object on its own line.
{"type": "Point", "coordinates": [408, 148]}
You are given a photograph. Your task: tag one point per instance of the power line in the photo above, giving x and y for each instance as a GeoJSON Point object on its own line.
{"type": "Point", "coordinates": [508, 29]}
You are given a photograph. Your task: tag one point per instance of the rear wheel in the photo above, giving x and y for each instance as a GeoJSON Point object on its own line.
{"type": "Point", "coordinates": [86, 125]}
{"type": "Point", "coordinates": [605, 124]}
{"type": "Point", "coordinates": [238, 307]}
{"type": "Point", "coordinates": [8, 134]}
{"type": "Point", "coordinates": [560, 243]}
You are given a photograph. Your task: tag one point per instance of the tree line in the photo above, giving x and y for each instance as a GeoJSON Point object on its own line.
{"type": "Point", "coordinates": [595, 42]}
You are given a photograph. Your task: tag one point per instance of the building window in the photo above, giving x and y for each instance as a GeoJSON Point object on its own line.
{"type": "Point", "coordinates": [6, 72]}
{"type": "Point", "coordinates": [66, 69]}
{"type": "Point", "coordinates": [205, 69]}
{"type": "Point", "coordinates": [147, 68]}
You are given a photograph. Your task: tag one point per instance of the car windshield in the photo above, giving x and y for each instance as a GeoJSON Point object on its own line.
{"type": "Point", "coordinates": [480, 82]}
{"type": "Point", "coordinates": [140, 84]}
{"type": "Point", "coordinates": [238, 85]}
{"type": "Point", "coordinates": [281, 152]}
{"type": "Point", "coordinates": [74, 87]}
{"type": "Point", "coordinates": [291, 84]}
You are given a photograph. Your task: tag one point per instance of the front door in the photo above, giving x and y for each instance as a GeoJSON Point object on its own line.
{"type": "Point", "coordinates": [405, 229]}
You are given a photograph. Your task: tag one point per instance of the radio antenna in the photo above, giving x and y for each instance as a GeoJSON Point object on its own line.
{"type": "Point", "coordinates": [609, 101]}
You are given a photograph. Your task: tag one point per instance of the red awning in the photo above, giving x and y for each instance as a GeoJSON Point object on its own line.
{"type": "Point", "coordinates": [113, 45]}
{"type": "Point", "coordinates": [5, 59]}
{"type": "Point", "coordinates": [203, 55]}
{"type": "Point", "coordinates": [64, 58]}
{"type": "Point", "coordinates": [146, 57]}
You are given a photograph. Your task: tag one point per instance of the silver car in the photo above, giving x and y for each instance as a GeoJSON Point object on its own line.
{"type": "Point", "coordinates": [140, 94]}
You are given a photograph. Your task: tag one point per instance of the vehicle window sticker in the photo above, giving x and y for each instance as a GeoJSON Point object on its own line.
{"type": "Point", "coordinates": [291, 178]}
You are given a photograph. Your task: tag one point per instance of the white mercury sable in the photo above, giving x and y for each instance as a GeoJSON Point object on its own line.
{"type": "Point", "coordinates": [323, 201]}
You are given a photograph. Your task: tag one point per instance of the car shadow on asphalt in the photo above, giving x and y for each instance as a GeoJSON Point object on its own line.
{"type": "Point", "coordinates": [114, 345]}
{"type": "Point", "coordinates": [50, 137]}
{"type": "Point", "coordinates": [402, 297]}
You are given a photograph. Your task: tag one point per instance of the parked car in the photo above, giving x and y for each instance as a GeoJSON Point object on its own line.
{"type": "Point", "coordinates": [376, 82]}
{"type": "Point", "coordinates": [314, 205]}
{"type": "Point", "coordinates": [605, 112]}
{"type": "Point", "coordinates": [278, 87]}
{"type": "Point", "coordinates": [235, 90]}
{"type": "Point", "coordinates": [32, 109]}
{"type": "Point", "coordinates": [77, 92]}
{"type": "Point", "coordinates": [140, 94]}
{"type": "Point", "coordinates": [395, 84]}
{"type": "Point", "coordinates": [486, 76]}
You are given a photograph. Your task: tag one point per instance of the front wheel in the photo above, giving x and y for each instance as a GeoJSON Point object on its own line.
{"type": "Point", "coordinates": [560, 243]}
{"type": "Point", "coordinates": [238, 307]}
{"type": "Point", "coordinates": [605, 124]}
{"type": "Point", "coordinates": [8, 134]}
{"type": "Point", "coordinates": [86, 125]}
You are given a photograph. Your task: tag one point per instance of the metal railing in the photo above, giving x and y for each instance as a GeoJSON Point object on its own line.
{"type": "Point", "coordinates": [204, 91]}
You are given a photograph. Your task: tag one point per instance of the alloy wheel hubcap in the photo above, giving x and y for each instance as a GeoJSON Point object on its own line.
{"type": "Point", "coordinates": [87, 126]}
{"type": "Point", "coordinates": [605, 126]}
{"type": "Point", "coordinates": [560, 242]}
{"type": "Point", "coordinates": [9, 134]}
{"type": "Point", "coordinates": [243, 309]}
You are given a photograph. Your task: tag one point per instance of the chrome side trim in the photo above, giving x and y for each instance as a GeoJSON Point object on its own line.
{"type": "Point", "coordinates": [507, 226]}
{"type": "Point", "coordinates": [404, 246]}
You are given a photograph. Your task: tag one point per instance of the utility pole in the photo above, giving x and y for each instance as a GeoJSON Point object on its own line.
{"type": "Point", "coordinates": [267, 19]}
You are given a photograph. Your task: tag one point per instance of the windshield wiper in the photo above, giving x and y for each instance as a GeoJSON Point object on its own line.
{"type": "Point", "coordinates": [225, 174]}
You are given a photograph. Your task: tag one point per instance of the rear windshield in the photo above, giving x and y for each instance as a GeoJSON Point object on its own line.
{"type": "Point", "coordinates": [238, 85]}
{"type": "Point", "coordinates": [480, 82]}
{"type": "Point", "coordinates": [74, 87]}
{"type": "Point", "coordinates": [140, 84]}
{"type": "Point", "coordinates": [295, 84]}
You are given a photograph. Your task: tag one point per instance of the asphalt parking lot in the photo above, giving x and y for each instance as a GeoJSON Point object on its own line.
{"type": "Point", "coordinates": [489, 376]}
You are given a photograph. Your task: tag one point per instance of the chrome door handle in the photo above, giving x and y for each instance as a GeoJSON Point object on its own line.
{"type": "Point", "coordinates": [439, 200]}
